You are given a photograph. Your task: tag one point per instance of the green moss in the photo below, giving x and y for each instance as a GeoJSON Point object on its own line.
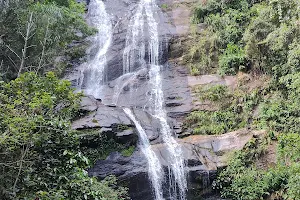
{"type": "Point", "coordinates": [122, 127]}
{"type": "Point", "coordinates": [164, 7]}
{"type": "Point", "coordinates": [128, 152]}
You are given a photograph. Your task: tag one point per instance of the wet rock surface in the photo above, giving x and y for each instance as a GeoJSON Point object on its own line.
{"type": "Point", "coordinates": [204, 154]}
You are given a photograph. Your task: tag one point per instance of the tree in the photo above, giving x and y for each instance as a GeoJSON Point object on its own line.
{"type": "Point", "coordinates": [33, 34]}
{"type": "Point", "coordinates": [40, 154]}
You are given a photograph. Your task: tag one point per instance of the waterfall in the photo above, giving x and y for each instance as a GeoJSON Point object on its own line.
{"type": "Point", "coordinates": [134, 55]}
{"type": "Point", "coordinates": [92, 72]}
{"type": "Point", "coordinates": [142, 40]}
{"type": "Point", "coordinates": [135, 50]}
{"type": "Point", "coordinates": [176, 160]}
{"type": "Point", "coordinates": [154, 168]}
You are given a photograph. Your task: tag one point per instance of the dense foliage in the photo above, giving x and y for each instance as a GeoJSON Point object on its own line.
{"type": "Point", "coordinates": [244, 179]}
{"type": "Point", "coordinates": [261, 38]}
{"type": "Point", "coordinates": [34, 33]}
{"type": "Point", "coordinates": [230, 110]}
{"type": "Point", "coordinates": [40, 155]}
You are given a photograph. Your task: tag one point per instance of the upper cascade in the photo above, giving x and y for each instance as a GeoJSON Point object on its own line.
{"type": "Point", "coordinates": [93, 72]}
{"type": "Point", "coordinates": [142, 33]}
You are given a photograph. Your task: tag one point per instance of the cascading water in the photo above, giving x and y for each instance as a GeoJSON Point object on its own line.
{"type": "Point", "coordinates": [154, 168]}
{"type": "Point", "coordinates": [135, 50]}
{"type": "Point", "coordinates": [134, 54]}
{"type": "Point", "coordinates": [92, 72]}
{"type": "Point", "coordinates": [176, 161]}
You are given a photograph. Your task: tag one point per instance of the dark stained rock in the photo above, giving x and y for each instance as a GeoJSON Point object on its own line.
{"type": "Point", "coordinates": [89, 104]}
{"type": "Point", "coordinates": [128, 136]}
{"type": "Point", "coordinates": [131, 172]}
{"type": "Point", "coordinates": [203, 154]}
{"type": "Point", "coordinates": [104, 116]}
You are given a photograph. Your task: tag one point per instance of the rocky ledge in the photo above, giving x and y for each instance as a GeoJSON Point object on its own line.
{"type": "Point", "coordinates": [204, 155]}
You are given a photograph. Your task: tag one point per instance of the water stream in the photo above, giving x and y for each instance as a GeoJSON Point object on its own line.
{"type": "Point", "coordinates": [143, 35]}
{"type": "Point", "coordinates": [155, 170]}
{"type": "Point", "coordinates": [92, 72]}
{"type": "Point", "coordinates": [142, 51]}
{"type": "Point", "coordinates": [177, 189]}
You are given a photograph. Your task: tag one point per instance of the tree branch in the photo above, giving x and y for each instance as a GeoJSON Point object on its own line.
{"type": "Point", "coordinates": [20, 168]}
{"type": "Point", "coordinates": [44, 47]}
{"type": "Point", "coordinates": [26, 38]}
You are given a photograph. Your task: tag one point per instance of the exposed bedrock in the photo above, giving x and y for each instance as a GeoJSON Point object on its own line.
{"type": "Point", "coordinates": [203, 154]}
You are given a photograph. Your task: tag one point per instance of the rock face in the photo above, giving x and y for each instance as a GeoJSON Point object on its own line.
{"type": "Point", "coordinates": [204, 154]}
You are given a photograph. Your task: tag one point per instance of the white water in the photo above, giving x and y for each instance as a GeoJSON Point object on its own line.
{"type": "Point", "coordinates": [120, 84]}
{"type": "Point", "coordinates": [154, 168]}
{"type": "Point", "coordinates": [176, 160]}
{"type": "Point", "coordinates": [134, 53]}
{"type": "Point", "coordinates": [135, 49]}
{"type": "Point", "coordinates": [92, 73]}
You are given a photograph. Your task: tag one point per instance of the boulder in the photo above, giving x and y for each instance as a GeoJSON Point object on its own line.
{"type": "Point", "coordinates": [103, 116]}
{"type": "Point", "coordinates": [213, 150]}
{"type": "Point", "coordinates": [89, 104]}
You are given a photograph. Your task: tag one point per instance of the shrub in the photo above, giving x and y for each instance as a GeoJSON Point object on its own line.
{"type": "Point", "coordinates": [232, 60]}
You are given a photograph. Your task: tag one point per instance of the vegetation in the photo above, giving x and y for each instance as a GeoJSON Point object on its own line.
{"type": "Point", "coordinates": [261, 38]}
{"type": "Point", "coordinates": [234, 110]}
{"type": "Point", "coordinates": [243, 179]}
{"type": "Point", "coordinates": [34, 33]}
{"type": "Point", "coordinates": [41, 156]}
{"type": "Point", "coordinates": [40, 153]}
{"type": "Point", "coordinates": [97, 145]}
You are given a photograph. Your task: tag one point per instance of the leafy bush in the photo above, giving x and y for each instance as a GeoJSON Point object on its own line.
{"type": "Point", "coordinates": [281, 112]}
{"type": "Point", "coordinates": [202, 53]}
{"type": "Point", "coordinates": [216, 93]}
{"type": "Point", "coordinates": [211, 7]}
{"type": "Point", "coordinates": [40, 154]}
{"type": "Point", "coordinates": [232, 60]}
{"type": "Point", "coordinates": [227, 20]}
{"type": "Point", "coordinates": [212, 123]}
{"type": "Point", "coordinates": [242, 180]}
{"type": "Point", "coordinates": [34, 33]}
{"type": "Point", "coordinates": [288, 147]}
{"type": "Point", "coordinates": [293, 184]}
{"type": "Point", "coordinates": [233, 112]}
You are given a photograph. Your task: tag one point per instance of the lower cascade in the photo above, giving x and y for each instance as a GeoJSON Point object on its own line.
{"type": "Point", "coordinates": [175, 154]}
{"type": "Point", "coordinates": [155, 169]}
